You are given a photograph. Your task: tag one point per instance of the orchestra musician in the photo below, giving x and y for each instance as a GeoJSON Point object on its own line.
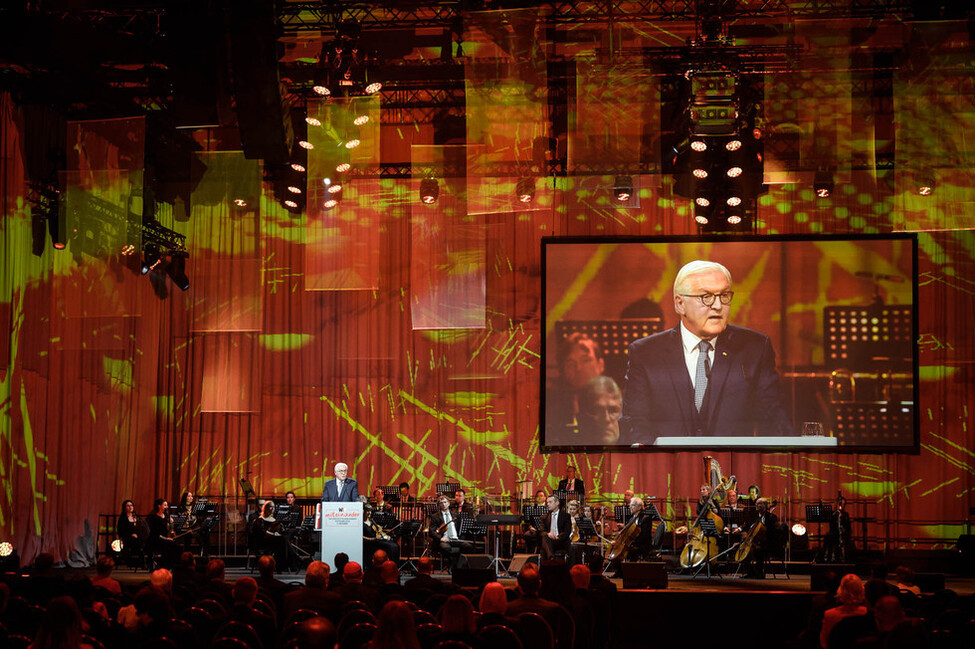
{"type": "Point", "coordinates": [290, 499]}
{"type": "Point", "coordinates": [577, 544]}
{"type": "Point", "coordinates": [556, 529]}
{"type": "Point", "coordinates": [731, 526]}
{"type": "Point", "coordinates": [540, 497]}
{"type": "Point", "coordinates": [839, 538]}
{"type": "Point", "coordinates": [374, 537]}
{"type": "Point", "coordinates": [641, 547]}
{"type": "Point", "coordinates": [404, 494]}
{"type": "Point", "coordinates": [130, 530]}
{"type": "Point", "coordinates": [379, 501]}
{"type": "Point", "coordinates": [444, 533]}
{"type": "Point", "coordinates": [342, 488]}
{"type": "Point", "coordinates": [570, 483]}
{"type": "Point", "coordinates": [460, 504]}
{"type": "Point", "coordinates": [160, 539]}
{"type": "Point", "coordinates": [764, 537]}
{"type": "Point", "coordinates": [270, 535]}
{"type": "Point", "coordinates": [702, 502]}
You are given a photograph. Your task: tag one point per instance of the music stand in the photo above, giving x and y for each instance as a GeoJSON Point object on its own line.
{"type": "Point", "coordinates": [819, 514]}
{"type": "Point", "coordinates": [390, 492]}
{"type": "Point", "coordinates": [532, 515]}
{"type": "Point", "coordinates": [408, 531]}
{"type": "Point", "coordinates": [431, 508]}
{"type": "Point", "coordinates": [386, 520]}
{"type": "Point", "coordinates": [651, 510]}
{"type": "Point", "coordinates": [447, 488]}
{"type": "Point", "coordinates": [565, 496]}
{"type": "Point", "coordinates": [496, 521]}
{"type": "Point", "coordinates": [471, 528]}
{"type": "Point", "coordinates": [586, 529]}
{"type": "Point", "coordinates": [622, 514]}
{"type": "Point", "coordinates": [245, 486]}
{"type": "Point", "coordinates": [710, 532]}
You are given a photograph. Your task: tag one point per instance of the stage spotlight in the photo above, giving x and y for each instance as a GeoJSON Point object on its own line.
{"type": "Point", "coordinates": [343, 167]}
{"type": "Point", "coordinates": [313, 121]}
{"type": "Point", "coordinates": [734, 172]}
{"type": "Point", "coordinates": [360, 120]}
{"type": "Point", "coordinates": [429, 190]}
{"type": "Point", "coordinates": [734, 219]}
{"type": "Point", "coordinates": [116, 546]}
{"type": "Point", "coordinates": [623, 188]}
{"type": "Point", "coordinates": [525, 189]}
{"type": "Point", "coordinates": [925, 183]}
{"type": "Point", "coordinates": [330, 203]}
{"type": "Point", "coordinates": [6, 549]}
{"type": "Point", "coordinates": [823, 183]}
{"type": "Point", "coordinates": [351, 144]}
{"type": "Point", "coordinates": [150, 258]}
{"type": "Point", "coordinates": [240, 202]}
{"type": "Point", "coordinates": [290, 203]}
{"type": "Point", "coordinates": [294, 189]}
{"type": "Point", "coordinates": [700, 173]}
{"type": "Point", "coordinates": [734, 201]}
{"type": "Point", "coordinates": [703, 202]}
{"type": "Point", "coordinates": [334, 188]}
{"type": "Point", "coordinates": [733, 144]}
{"type": "Point", "coordinates": [373, 88]}
{"type": "Point", "coordinates": [305, 144]}
{"type": "Point", "coordinates": [177, 272]}
{"type": "Point", "coordinates": [701, 219]}
{"type": "Point", "coordinates": [798, 529]}
{"type": "Point", "coordinates": [699, 145]}
{"type": "Point", "coordinates": [300, 168]}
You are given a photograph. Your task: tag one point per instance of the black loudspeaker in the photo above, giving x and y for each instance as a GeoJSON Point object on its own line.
{"type": "Point", "coordinates": [818, 572]}
{"type": "Point", "coordinates": [479, 561]}
{"type": "Point", "coordinates": [476, 577]}
{"type": "Point", "coordinates": [521, 560]}
{"type": "Point", "coordinates": [644, 574]}
{"type": "Point", "coordinates": [930, 582]}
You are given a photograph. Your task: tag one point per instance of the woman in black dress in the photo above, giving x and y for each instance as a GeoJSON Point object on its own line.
{"type": "Point", "coordinates": [130, 531]}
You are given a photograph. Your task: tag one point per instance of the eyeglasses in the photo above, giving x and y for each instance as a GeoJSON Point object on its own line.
{"type": "Point", "coordinates": [707, 299]}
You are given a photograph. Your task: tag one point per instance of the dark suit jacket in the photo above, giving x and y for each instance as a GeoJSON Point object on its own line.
{"type": "Point", "coordinates": [350, 492]}
{"type": "Point", "coordinates": [580, 486]}
{"type": "Point", "coordinates": [564, 525]}
{"type": "Point", "coordinates": [743, 396]}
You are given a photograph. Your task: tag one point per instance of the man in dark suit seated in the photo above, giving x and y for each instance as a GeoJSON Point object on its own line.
{"type": "Point", "coordinates": [266, 581]}
{"type": "Point", "coordinates": [460, 504]}
{"type": "Point", "coordinates": [314, 595]}
{"type": "Point", "coordinates": [355, 591]}
{"type": "Point", "coordinates": [642, 546]}
{"type": "Point", "coordinates": [424, 580]}
{"type": "Point", "coordinates": [444, 534]}
{"type": "Point", "coordinates": [342, 488]}
{"type": "Point", "coordinates": [556, 528]}
{"type": "Point", "coordinates": [703, 377]}
{"type": "Point", "coordinates": [215, 587]}
{"type": "Point", "coordinates": [244, 597]}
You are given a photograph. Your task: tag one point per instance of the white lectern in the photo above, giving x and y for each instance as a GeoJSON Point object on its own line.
{"type": "Point", "coordinates": [341, 525]}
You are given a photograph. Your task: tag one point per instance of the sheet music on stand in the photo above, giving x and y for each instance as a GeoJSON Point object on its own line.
{"type": "Point", "coordinates": [469, 528]}
{"type": "Point", "coordinates": [447, 488]}
{"type": "Point", "coordinates": [409, 529]}
{"type": "Point", "coordinates": [586, 529]}
{"type": "Point", "coordinates": [385, 520]}
{"type": "Point", "coordinates": [707, 526]}
{"type": "Point", "coordinates": [532, 515]}
{"type": "Point", "coordinates": [568, 496]}
{"type": "Point", "coordinates": [622, 514]}
{"type": "Point", "coordinates": [431, 508]}
{"type": "Point", "coordinates": [390, 491]}
{"type": "Point", "coordinates": [652, 511]}
{"type": "Point", "coordinates": [818, 513]}
{"type": "Point", "coordinates": [732, 517]}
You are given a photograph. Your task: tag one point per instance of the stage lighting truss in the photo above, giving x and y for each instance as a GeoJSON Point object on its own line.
{"type": "Point", "coordinates": [343, 65]}
{"type": "Point", "coordinates": [713, 108]}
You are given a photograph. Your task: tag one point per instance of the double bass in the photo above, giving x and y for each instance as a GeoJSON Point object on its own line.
{"type": "Point", "coordinates": [700, 547]}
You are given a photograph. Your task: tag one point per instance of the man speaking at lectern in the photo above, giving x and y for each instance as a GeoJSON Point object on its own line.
{"type": "Point", "coordinates": [704, 377]}
{"type": "Point", "coordinates": [341, 489]}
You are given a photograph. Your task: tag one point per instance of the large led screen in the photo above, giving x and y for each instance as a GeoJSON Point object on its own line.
{"type": "Point", "coordinates": [751, 344]}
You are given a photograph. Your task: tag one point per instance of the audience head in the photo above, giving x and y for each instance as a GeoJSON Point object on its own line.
{"type": "Point", "coordinates": [580, 576]}
{"type": "Point", "coordinates": [317, 633]}
{"type": "Point", "coordinates": [187, 560]}
{"type": "Point", "coordinates": [44, 563]}
{"type": "Point", "coordinates": [215, 569]}
{"type": "Point", "coordinates": [245, 591]}
{"type": "Point", "coordinates": [389, 572]}
{"type": "Point", "coordinates": [379, 557]}
{"type": "Point", "coordinates": [266, 565]}
{"type": "Point", "coordinates": [395, 628]}
{"type": "Point", "coordinates": [595, 565]}
{"type": "Point", "coordinates": [424, 566]}
{"type": "Point", "coordinates": [457, 615]}
{"type": "Point", "coordinates": [316, 576]}
{"type": "Point", "coordinates": [888, 613]}
{"type": "Point", "coordinates": [162, 579]}
{"type": "Point", "coordinates": [61, 625]}
{"type": "Point", "coordinates": [529, 580]}
{"type": "Point", "coordinates": [876, 588]}
{"type": "Point", "coordinates": [104, 565]}
{"type": "Point", "coordinates": [352, 573]}
{"type": "Point", "coordinates": [341, 559]}
{"type": "Point", "coordinates": [905, 575]}
{"type": "Point", "coordinates": [556, 582]}
{"type": "Point", "coordinates": [151, 604]}
{"type": "Point", "coordinates": [493, 599]}
{"type": "Point", "coordinates": [850, 590]}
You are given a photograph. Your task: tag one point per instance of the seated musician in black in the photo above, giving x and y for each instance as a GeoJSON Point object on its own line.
{"type": "Point", "coordinates": [379, 501]}
{"type": "Point", "coordinates": [641, 548]}
{"type": "Point", "coordinates": [444, 534]}
{"type": "Point", "coordinates": [374, 537]}
{"type": "Point", "coordinates": [460, 504]}
{"type": "Point", "coordinates": [556, 529]}
{"type": "Point", "coordinates": [764, 541]}
{"type": "Point", "coordinates": [731, 515]}
{"type": "Point", "coordinates": [192, 527]}
{"type": "Point", "coordinates": [404, 494]}
{"type": "Point", "coordinates": [160, 539]}
{"type": "Point", "coordinates": [269, 536]}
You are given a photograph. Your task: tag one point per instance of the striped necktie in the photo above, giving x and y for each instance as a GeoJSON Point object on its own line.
{"type": "Point", "coordinates": [701, 375]}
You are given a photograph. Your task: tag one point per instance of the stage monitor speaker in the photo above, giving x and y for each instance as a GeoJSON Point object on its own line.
{"type": "Point", "coordinates": [818, 574]}
{"type": "Point", "coordinates": [479, 561]}
{"type": "Point", "coordinates": [521, 560]}
{"type": "Point", "coordinates": [476, 577]}
{"type": "Point", "coordinates": [644, 574]}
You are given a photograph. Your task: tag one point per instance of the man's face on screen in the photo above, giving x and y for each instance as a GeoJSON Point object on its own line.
{"type": "Point", "coordinates": [581, 365]}
{"type": "Point", "coordinates": [600, 420]}
{"type": "Point", "coordinates": [703, 321]}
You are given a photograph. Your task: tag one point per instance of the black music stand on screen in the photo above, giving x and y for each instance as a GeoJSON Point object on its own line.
{"type": "Point", "coordinates": [613, 338]}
